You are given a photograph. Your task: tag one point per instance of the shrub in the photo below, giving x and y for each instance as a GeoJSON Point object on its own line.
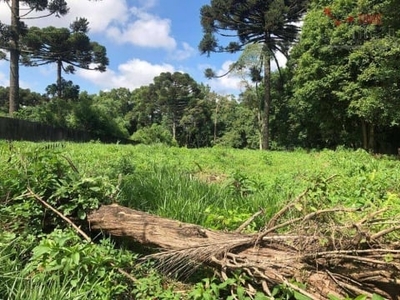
{"type": "Point", "coordinates": [153, 135]}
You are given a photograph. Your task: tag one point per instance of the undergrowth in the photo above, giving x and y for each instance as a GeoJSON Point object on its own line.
{"type": "Point", "coordinates": [42, 258]}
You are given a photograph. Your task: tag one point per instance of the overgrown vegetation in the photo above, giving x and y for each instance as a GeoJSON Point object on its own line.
{"type": "Point", "coordinates": [339, 86]}
{"type": "Point", "coordinates": [43, 258]}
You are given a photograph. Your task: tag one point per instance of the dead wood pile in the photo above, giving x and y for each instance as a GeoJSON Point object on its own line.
{"type": "Point", "coordinates": [330, 256]}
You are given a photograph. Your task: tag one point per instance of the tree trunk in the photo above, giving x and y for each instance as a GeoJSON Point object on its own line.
{"type": "Point", "coordinates": [346, 267]}
{"type": "Point", "coordinates": [371, 138]}
{"type": "Point", "coordinates": [14, 58]}
{"type": "Point", "coordinates": [260, 135]}
{"type": "Point", "coordinates": [215, 122]}
{"type": "Point", "coordinates": [368, 131]}
{"type": "Point", "coordinates": [174, 129]}
{"type": "Point", "coordinates": [365, 134]}
{"type": "Point", "coordinates": [151, 230]}
{"type": "Point", "coordinates": [267, 97]}
{"type": "Point", "coordinates": [259, 119]}
{"type": "Point", "coordinates": [59, 79]}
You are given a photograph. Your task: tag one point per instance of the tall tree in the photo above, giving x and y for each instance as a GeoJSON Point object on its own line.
{"type": "Point", "coordinates": [27, 98]}
{"type": "Point", "coordinates": [68, 49]}
{"type": "Point", "coordinates": [320, 117]}
{"type": "Point", "coordinates": [174, 91]}
{"type": "Point", "coordinates": [249, 67]}
{"type": "Point", "coordinates": [10, 36]}
{"type": "Point", "coordinates": [145, 110]}
{"type": "Point", "coordinates": [346, 73]}
{"type": "Point", "coordinates": [68, 89]}
{"type": "Point", "coordinates": [271, 23]}
{"type": "Point", "coordinates": [197, 124]}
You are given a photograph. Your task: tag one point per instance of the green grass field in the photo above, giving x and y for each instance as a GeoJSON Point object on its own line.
{"type": "Point", "coordinates": [217, 188]}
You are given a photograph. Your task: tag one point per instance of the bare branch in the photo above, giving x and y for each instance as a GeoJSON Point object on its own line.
{"type": "Point", "coordinates": [251, 219]}
{"type": "Point", "coordinates": [44, 203]}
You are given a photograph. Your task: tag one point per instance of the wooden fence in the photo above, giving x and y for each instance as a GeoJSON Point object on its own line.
{"type": "Point", "coordinates": [22, 130]}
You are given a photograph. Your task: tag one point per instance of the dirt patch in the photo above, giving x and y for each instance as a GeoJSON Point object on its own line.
{"type": "Point", "coordinates": [211, 177]}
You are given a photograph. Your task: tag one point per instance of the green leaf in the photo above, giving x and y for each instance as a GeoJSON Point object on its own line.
{"type": "Point", "coordinates": [95, 189]}
{"type": "Point", "coordinates": [276, 290]}
{"type": "Point", "coordinates": [300, 296]}
{"type": "Point", "coordinates": [81, 214]}
{"type": "Point", "coordinates": [377, 297]}
{"type": "Point", "coordinates": [298, 206]}
{"type": "Point", "coordinates": [40, 250]}
{"type": "Point", "coordinates": [227, 282]}
{"type": "Point", "coordinates": [74, 282]}
{"type": "Point", "coordinates": [76, 258]}
{"type": "Point", "coordinates": [260, 296]}
{"type": "Point", "coordinates": [240, 292]}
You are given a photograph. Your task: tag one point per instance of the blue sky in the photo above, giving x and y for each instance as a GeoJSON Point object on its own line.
{"type": "Point", "coordinates": [143, 38]}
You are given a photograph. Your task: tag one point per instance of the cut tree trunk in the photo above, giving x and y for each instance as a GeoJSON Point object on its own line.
{"type": "Point", "coordinates": [338, 265]}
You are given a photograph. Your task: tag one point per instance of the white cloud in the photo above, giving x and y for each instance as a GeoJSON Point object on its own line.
{"type": "Point", "coordinates": [282, 60]}
{"type": "Point", "coordinates": [113, 17]}
{"type": "Point", "coordinates": [4, 12]}
{"type": "Point", "coordinates": [146, 4]}
{"type": "Point", "coordinates": [3, 79]}
{"type": "Point", "coordinates": [132, 74]}
{"type": "Point", "coordinates": [100, 14]}
{"type": "Point", "coordinates": [146, 31]}
{"type": "Point", "coordinates": [185, 52]}
{"type": "Point", "coordinates": [228, 84]}
{"type": "Point", "coordinates": [3, 75]}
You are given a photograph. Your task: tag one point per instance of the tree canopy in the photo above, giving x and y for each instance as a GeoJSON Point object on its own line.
{"type": "Point", "coordinates": [68, 48]}
{"type": "Point", "coordinates": [10, 36]}
{"type": "Point", "coordinates": [340, 86]}
{"type": "Point", "coordinates": [346, 71]}
{"type": "Point", "coordinates": [272, 23]}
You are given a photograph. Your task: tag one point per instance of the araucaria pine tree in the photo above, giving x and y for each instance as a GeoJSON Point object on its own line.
{"type": "Point", "coordinates": [272, 23]}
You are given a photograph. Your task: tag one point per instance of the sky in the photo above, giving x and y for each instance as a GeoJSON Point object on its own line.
{"type": "Point", "coordinates": [143, 38]}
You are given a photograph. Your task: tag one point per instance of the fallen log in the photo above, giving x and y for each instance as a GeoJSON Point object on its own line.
{"type": "Point", "coordinates": [347, 261]}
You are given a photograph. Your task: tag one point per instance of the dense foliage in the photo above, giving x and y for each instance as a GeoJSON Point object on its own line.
{"type": "Point", "coordinates": [340, 86]}
{"type": "Point", "coordinates": [271, 24]}
{"type": "Point", "coordinates": [10, 35]}
{"type": "Point", "coordinates": [43, 258]}
{"type": "Point", "coordinates": [339, 90]}
{"type": "Point", "coordinates": [67, 48]}
{"type": "Point", "coordinates": [346, 74]}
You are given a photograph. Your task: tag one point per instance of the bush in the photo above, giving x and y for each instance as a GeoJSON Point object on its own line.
{"type": "Point", "coordinates": [95, 117]}
{"type": "Point", "coordinates": [153, 135]}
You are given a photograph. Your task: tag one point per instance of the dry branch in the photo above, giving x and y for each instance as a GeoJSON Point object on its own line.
{"type": "Point", "coordinates": [327, 267]}
{"type": "Point", "coordinates": [248, 222]}
{"type": "Point", "coordinates": [48, 206]}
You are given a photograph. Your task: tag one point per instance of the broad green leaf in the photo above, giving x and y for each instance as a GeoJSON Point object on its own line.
{"type": "Point", "coordinates": [40, 250]}
{"type": "Point", "coordinates": [81, 214]}
{"type": "Point", "coordinates": [300, 296]}
{"type": "Point", "coordinates": [76, 258]}
{"type": "Point", "coordinates": [377, 297]}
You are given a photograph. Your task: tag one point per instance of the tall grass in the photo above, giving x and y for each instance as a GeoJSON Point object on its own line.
{"type": "Point", "coordinates": [167, 192]}
{"type": "Point", "coordinates": [15, 284]}
{"type": "Point", "coordinates": [55, 287]}
{"type": "Point", "coordinates": [175, 183]}
{"type": "Point", "coordinates": [49, 275]}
